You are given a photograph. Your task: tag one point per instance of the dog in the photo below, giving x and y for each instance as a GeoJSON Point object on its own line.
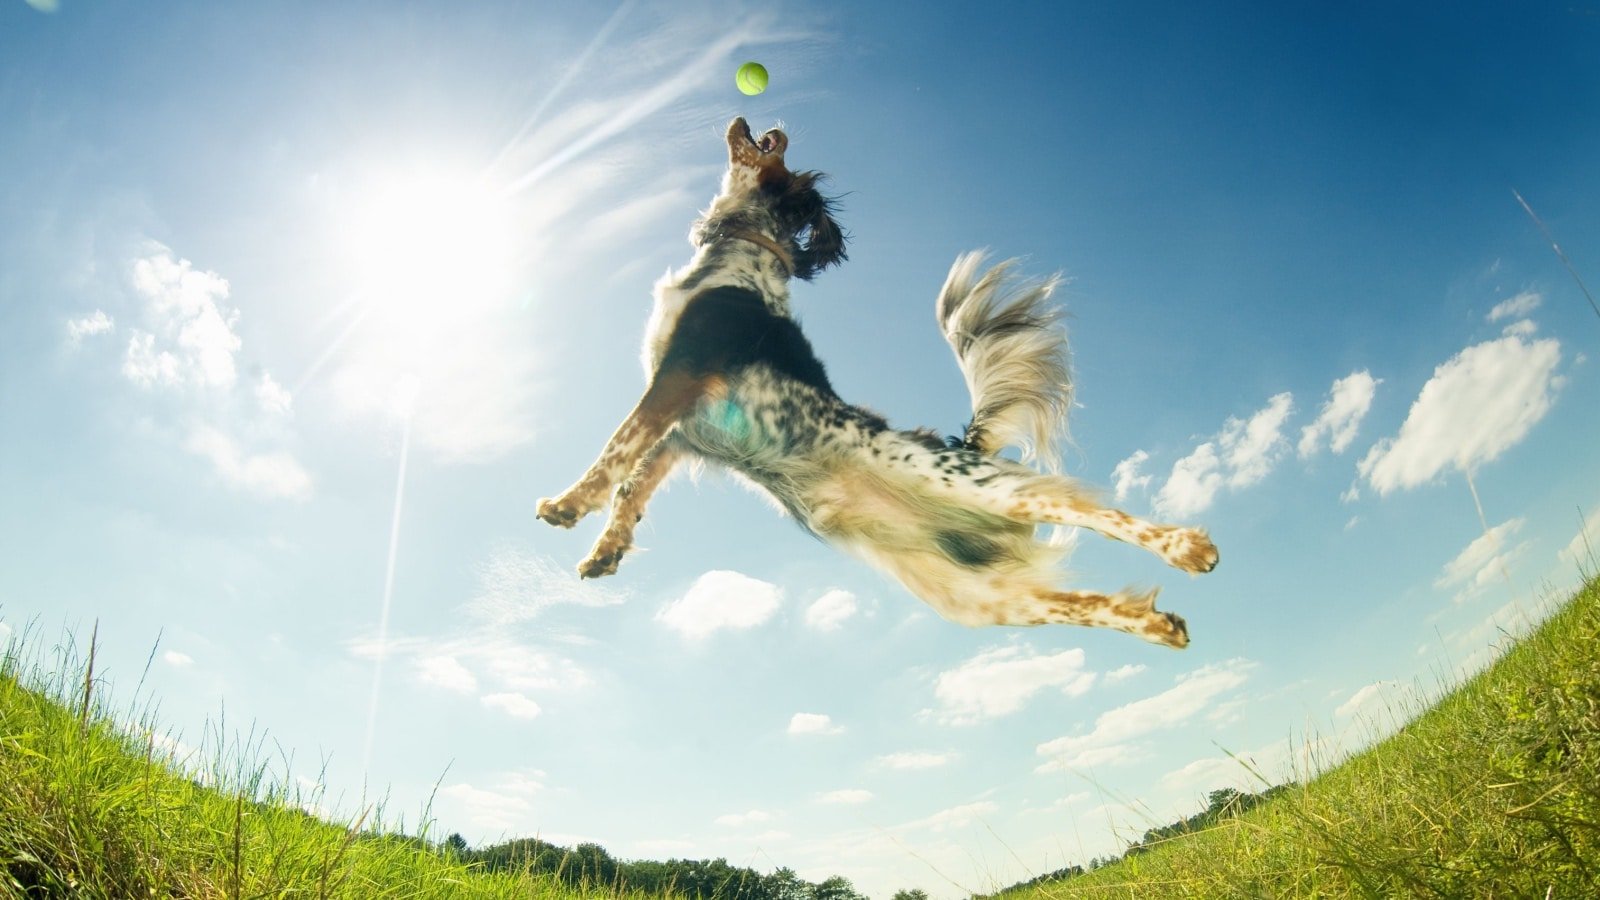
{"type": "Point", "coordinates": [734, 381]}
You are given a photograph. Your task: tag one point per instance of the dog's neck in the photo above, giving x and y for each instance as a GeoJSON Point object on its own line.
{"type": "Point", "coordinates": [766, 243]}
{"type": "Point", "coordinates": [746, 259]}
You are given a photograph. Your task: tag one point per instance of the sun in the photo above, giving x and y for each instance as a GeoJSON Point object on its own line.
{"type": "Point", "coordinates": [428, 248]}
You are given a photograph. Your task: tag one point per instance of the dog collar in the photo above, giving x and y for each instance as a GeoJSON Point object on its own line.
{"type": "Point", "coordinates": [761, 240]}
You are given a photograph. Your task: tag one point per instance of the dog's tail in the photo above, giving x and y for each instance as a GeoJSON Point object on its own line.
{"type": "Point", "coordinates": [1013, 352]}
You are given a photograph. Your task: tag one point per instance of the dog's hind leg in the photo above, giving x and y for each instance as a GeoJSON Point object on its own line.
{"type": "Point", "coordinates": [1133, 613]}
{"type": "Point", "coordinates": [1188, 549]}
{"type": "Point", "coordinates": [627, 508]}
{"type": "Point", "coordinates": [672, 393]}
{"type": "Point", "coordinates": [1021, 494]}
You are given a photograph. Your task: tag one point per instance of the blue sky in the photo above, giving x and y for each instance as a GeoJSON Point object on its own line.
{"type": "Point", "coordinates": [252, 260]}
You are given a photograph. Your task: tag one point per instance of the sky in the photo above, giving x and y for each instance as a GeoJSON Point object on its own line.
{"type": "Point", "coordinates": [304, 305]}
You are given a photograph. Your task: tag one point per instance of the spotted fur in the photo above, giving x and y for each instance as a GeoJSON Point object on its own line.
{"type": "Point", "coordinates": [733, 380]}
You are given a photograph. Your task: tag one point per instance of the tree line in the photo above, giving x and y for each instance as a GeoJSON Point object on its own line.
{"type": "Point", "coordinates": [1226, 803]}
{"type": "Point", "coordinates": [589, 865]}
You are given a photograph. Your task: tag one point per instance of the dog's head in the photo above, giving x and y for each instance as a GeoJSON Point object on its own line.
{"type": "Point", "coordinates": [760, 194]}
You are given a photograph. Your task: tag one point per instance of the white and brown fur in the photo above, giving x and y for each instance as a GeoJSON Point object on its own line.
{"type": "Point", "coordinates": [733, 380]}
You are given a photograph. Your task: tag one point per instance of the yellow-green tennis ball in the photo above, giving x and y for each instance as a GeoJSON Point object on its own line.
{"type": "Point", "coordinates": [751, 78]}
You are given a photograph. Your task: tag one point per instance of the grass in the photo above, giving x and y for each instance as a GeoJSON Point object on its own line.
{"type": "Point", "coordinates": [90, 809]}
{"type": "Point", "coordinates": [1494, 792]}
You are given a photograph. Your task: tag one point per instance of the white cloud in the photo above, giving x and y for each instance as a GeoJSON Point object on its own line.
{"type": "Point", "coordinates": [192, 341]}
{"type": "Point", "coordinates": [1518, 306]}
{"type": "Point", "coordinates": [96, 322]}
{"type": "Point", "coordinates": [1110, 740]}
{"type": "Point", "coordinates": [1123, 673]}
{"type": "Point", "coordinates": [1478, 404]}
{"type": "Point", "coordinates": [177, 660]}
{"type": "Point", "coordinates": [1241, 454]}
{"type": "Point", "coordinates": [1376, 699]}
{"type": "Point", "coordinates": [846, 797]}
{"type": "Point", "coordinates": [1000, 681]}
{"type": "Point", "coordinates": [185, 349]}
{"type": "Point", "coordinates": [1488, 557]}
{"type": "Point", "coordinates": [831, 610]}
{"type": "Point", "coordinates": [272, 398]}
{"type": "Point", "coordinates": [744, 819]}
{"type": "Point", "coordinates": [512, 704]}
{"type": "Point", "coordinates": [1193, 484]}
{"type": "Point", "coordinates": [913, 759]}
{"type": "Point", "coordinates": [446, 672]}
{"type": "Point", "coordinates": [1348, 401]}
{"type": "Point", "coordinates": [491, 812]}
{"type": "Point", "coordinates": [721, 600]}
{"type": "Point", "coordinates": [813, 723]}
{"type": "Point", "coordinates": [1127, 477]}
{"type": "Point", "coordinates": [267, 475]}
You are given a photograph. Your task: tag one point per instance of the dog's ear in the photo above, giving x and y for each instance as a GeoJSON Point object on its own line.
{"type": "Point", "coordinates": [809, 215]}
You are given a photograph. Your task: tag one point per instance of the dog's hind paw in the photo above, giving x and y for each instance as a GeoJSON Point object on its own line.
{"type": "Point", "coordinates": [1191, 550]}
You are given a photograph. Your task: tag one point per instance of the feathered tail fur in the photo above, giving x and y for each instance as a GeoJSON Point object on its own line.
{"type": "Point", "coordinates": [1013, 351]}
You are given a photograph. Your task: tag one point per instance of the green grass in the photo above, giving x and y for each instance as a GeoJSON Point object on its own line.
{"type": "Point", "coordinates": [1494, 792]}
{"type": "Point", "coordinates": [91, 809]}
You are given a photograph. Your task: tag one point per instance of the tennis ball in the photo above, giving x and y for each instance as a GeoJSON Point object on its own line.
{"type": "Point", "coordinates": [751, 78]}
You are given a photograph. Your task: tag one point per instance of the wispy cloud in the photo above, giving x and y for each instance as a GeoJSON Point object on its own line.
{"type": "Point", "coordinates": [1348, 401]}
{"type": "Point", "coordinates": [1113, 740]}
{"type": "Point", "coordinates": [845, 797]}
{"type": "Point", "coordinates": [1480, 403]}
{"type": "Point", "coordinates": [512, 704]}
{"type": "Point", "coordinates": [744, 819]}
{"type": "Point", "coordinates": [95, 323]}
{"type": "Point", "coordinates": [446, 672]}
{"type": "Point", "coordinates": [517, 585]}
{"type": "Point", "coordinates": [505, 806]}
{"type": "Point", "coordinates": [1000, 681]}
{"type": "Point", "coordinates": [1123, 673]}
{"type": "Point", "coordinates": [958, 816]}
{"type": "Point", "coordinates": [175, 659]}
{"type": "Point", "coordinates": [1126, 475]}
{"type": "Point", "coordinates": [1488, 557]}
{"type": "Point", "coordinates": [915, 760]}
{"type": "Point", "coordinates": [721, 601]}
{"type": "Point", "coordinates": [267, 475]}
{"type": "Point", "coordinates": [1240, 455]}
{"type": "Point", "coordinates": [1516, 307]}
{"type": "Point", "coordinates": [487, 650]}
{"type": "Point", "coordinates": [1381, 700]}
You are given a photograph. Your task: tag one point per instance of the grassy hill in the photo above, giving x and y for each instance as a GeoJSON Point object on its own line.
{"type": "Point", "coordinates": [1494, 792]}
{"type": "Point", "coordinates": [89, 810]}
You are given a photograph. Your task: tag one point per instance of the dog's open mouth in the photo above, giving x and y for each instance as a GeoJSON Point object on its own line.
{"type": "Point", "coordinates": [772, 143]}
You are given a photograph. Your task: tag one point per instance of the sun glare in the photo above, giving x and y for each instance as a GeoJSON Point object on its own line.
{"type": "Point", "coordinates": [429, 247]}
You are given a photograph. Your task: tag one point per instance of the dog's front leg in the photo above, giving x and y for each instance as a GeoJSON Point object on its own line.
{"type": "Point", "coordinates": [628, 508]}
{"type": "Point", "coordinates": [672, 393]}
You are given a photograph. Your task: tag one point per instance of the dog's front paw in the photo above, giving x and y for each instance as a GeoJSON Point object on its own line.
{"type": "Point", "coordinates": [604, 558]}
{"type": "Point", "coordinates": [560, 512]}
